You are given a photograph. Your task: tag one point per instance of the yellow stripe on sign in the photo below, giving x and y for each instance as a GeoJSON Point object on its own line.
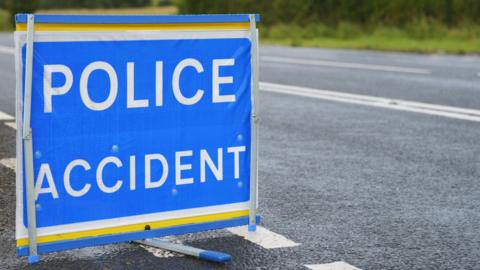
{"type": "Point", "coordinates": [124, 27]}
{"type": "Point", "coordinates": [136, 227]}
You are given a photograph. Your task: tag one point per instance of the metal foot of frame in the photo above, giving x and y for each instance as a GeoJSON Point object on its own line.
{"type": "Point", "coordinates": [252, 227]}
{"type": "Point", "coordinates": [33, 259]}
{"type": "Point", "coordinates": [202, 254]}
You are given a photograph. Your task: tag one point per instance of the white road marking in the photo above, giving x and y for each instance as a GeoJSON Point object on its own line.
{"type": "Point", "coordinates": [394, 104]}
{"type": "Point", "coordinates": [6, 116]}
{"type": "Point", "coordinates": [7, 50]}
{"type": "Point", "coordinates": [9, 120]}
{"type": "Point", "coordinates": [332, 266]}
{"type": "Point", "coordinates": [9, 162]}
{"type": "Point", "coordinates": [162, 253]}
{"type": "Point", "coordinates": [286, 60]}
{"type": "Point", "coordinates": [11, 125]}
{"type": "Point", "coordinates": [263, 237]}
{"type": "Point", "coordinates": [91, 252]}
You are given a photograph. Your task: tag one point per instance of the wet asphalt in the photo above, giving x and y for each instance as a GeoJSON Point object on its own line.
{"type": "Point", "coordinates": [376, 188]}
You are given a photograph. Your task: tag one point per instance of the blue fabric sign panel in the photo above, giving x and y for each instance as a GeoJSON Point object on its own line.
{"type": "Point", "coordinates": [134, 127]}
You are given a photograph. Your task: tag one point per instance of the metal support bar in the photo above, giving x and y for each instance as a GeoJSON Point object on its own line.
{"type": "Point", "coordinates": [207, 255]}
{"type": "Point", "coordinates": [27, 145]}
{"type": "Point", "coordinates": [254, 125]}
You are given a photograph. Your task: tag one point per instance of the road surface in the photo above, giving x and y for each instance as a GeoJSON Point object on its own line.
{"type": "Point", "coordinates": [367, 159]}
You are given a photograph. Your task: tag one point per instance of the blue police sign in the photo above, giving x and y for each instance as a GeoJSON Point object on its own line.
{"type": "Point", "coordinates": [149, 128]}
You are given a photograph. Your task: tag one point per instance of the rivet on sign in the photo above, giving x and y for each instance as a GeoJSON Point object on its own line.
{"type": "Point", "coordinates": [114, 148]}
{"type": "Point", "coordinates": [38, 154]}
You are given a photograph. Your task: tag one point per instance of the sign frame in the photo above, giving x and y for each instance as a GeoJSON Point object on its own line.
{"type": "Point", "coordinates": [29, 23]}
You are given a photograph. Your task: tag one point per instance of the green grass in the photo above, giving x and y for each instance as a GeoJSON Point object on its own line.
{"type": "Point", "coordinates": [420, 37]}
{"type": "Point", "coordinates": [122, 11]}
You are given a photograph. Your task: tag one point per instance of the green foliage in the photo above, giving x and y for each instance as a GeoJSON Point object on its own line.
{"type": "Point", "coordinates": [5, 21]}
{"type": "Point", "coordinates": [29, 6]}
{"type": "Point", "coordinates": [162, 3]}
{"type": "Point", "coordinates": [22, 6]}
{"type": "Point", "coordinates": [335, 12]}
{"type": "Point", "coordinates": [405, 25]}
{"type": "Point", "coordinates": [18, 6]}
{"type": "Point", "coordinates": [48, 4]}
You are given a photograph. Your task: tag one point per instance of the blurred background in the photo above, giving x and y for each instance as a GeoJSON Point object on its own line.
{"type": "Point", "coordinates": [433, 26]}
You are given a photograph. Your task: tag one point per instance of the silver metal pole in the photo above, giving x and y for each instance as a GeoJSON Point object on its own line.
{"type": "Point", "coordinates": [28, 147]}
{"type": "Point", "coordinates": [254, 126]}
{"type": "Point", "coordinates": [203, 254]}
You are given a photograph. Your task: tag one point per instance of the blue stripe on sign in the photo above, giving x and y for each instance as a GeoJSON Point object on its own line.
{"type": "Point", "coordinates": [135, 19]}
{"type": "Point", "coordinates": [125, 237]}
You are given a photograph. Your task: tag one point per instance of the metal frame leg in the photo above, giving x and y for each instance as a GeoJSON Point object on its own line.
{"type": "Point", "coordinates": [252, 225]}
{"type": "Point", "coordinates": [202, 254]}
{"type": "Point", "coordinates": [28, 145]}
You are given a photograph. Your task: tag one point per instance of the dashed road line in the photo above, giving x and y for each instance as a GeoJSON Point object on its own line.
{"type": "Point", "coordinates": [11, 124]}
{"type": "Point", "coordinates": [7, 50]}
{"type": "Point", "coordinates": [162, 253]}
{"type": "Point", "coordinates": [6, 117]}
{"type": "Point", "coordinates": [332, 266]}
{"type": "Point", "coordinates": [9, 162]}
{"type": "Point", "coordinates": [300, 61]}
{"type": "Point", "coordinates": [393, 104]}
{"type": "Point", "coordinates": [263, 237]}
{"type": "Point", "coordinates": [8, 120]}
